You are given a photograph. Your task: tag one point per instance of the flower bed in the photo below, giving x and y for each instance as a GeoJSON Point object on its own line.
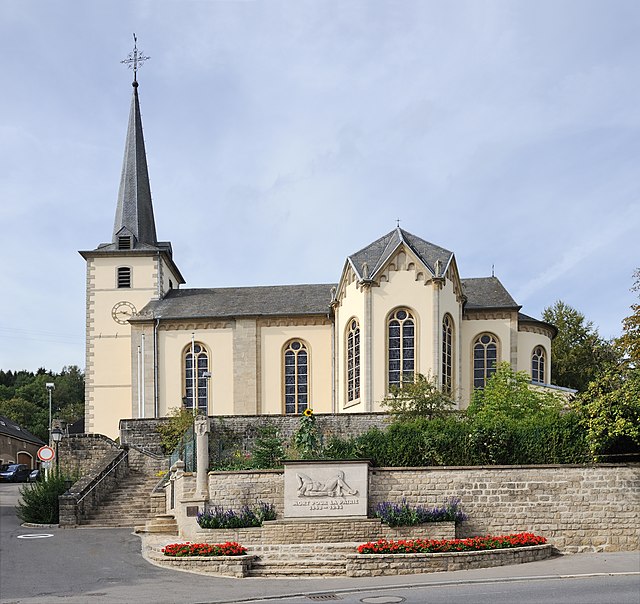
{"type": "Point", "coordinates": [181, 550]}
{"type": "Point", "coordinates": [407, 557]}
{"type": "Point", "coordinates": [221, 518]}
{"type": "Point", "coordinates": [403, 514]}
{"type": "Point", "coordinates": [432, 546]}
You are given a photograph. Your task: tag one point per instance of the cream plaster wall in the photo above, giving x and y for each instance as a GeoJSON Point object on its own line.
{"type": "Point", "coordinates": [171, 347]}
{"type": "Point", "coordinates": [108, 371]}
{"type": "Point", "coordinates": [501, 328]}
{"type": "Point", "coordinates": [527, 341]}
{"type": "Point", "coordinates": [351, 306]}
{"type": "Point", "coordinates": [405, 288]}
{"type": "Point", "coordinates": [272, 342]}
{"type": "Point", "coordinates": [449, 305]}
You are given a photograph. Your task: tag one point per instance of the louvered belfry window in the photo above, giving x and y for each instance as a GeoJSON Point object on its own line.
{"type": "Point", "coordinates": [296, 377]}
{"type": "Point", "coordinates": [401, 347]}
{"type": "Point", "coordinates": [124, 276]}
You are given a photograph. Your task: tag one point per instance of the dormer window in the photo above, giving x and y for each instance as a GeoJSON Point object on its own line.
{"type": "Point", "coordinates": [124, 276]}
{"type": "Point", "coordinates": [124, 242]}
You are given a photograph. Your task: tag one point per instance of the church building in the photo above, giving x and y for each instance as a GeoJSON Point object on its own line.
{"type": "Point", "coordinates": [399, 306]}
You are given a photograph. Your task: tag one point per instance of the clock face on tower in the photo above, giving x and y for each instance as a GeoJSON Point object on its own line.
{"type": "Point", "coordinates": [122, 312]}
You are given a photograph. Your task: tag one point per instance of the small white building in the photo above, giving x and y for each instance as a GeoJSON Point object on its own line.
{"type": "Point", "coordinates": [398, 307]}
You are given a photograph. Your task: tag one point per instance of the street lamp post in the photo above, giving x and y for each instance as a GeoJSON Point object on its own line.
{"type": "Point", "coordinates": [50, 388]}
{"type": "Point", "coordinates": [56, 434]}
{"type": "Point", "coordinates": [207, 376]}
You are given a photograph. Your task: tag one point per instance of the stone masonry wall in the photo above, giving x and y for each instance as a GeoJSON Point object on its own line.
{"type": "Point", "coordinates": [578, 508]}
{"type": "Point", "coordinates": [239, 432]}
{"type": "Point", "coordinates": [81, 453]}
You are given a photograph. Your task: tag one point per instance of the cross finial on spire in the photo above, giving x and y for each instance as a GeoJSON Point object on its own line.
{"type": "Point", "coordinates": [135, 60]}
{"type": "Point", "coordinates": [397, 223]}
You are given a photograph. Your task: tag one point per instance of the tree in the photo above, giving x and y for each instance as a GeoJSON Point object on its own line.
{"type": "Point", "coordinates": [508, 395]}
{"type": "Point", "coordinates": [610, 411]}
{"type": "Point", "coordinates": [27, 415]}
{"type": "Point", "coordinates": [419, 396]}
{"type": "Point", "coordinates": [578, 353]}
{"type": "Point", "coordinates": [629, 341]}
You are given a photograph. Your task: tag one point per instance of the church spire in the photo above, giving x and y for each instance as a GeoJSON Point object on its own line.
{"type": "Point", "coordinates": [134, 212]}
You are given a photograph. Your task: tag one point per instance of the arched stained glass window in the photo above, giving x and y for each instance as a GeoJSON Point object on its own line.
{"type": "Point", "coordinates": [485, 358]}
{"type": "Point", "coordinates": [447, 354]}
{"type": "Point", "coordinates": [538, 362]}
{"type": "Point", "coordinates": [353, 361]}
{"type": "Point", "coordinates": [196, 374]}
{"type": "Point", "coordinates": [401, 331]}
{"type": "Point", "coordinates": [296, 377]}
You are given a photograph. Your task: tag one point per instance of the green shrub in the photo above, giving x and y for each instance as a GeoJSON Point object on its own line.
{"type": "Point", "coordinates": [269, 449]}
{"type": "Point", "coordinates": [463, 441]}
{"type": "Point", "coordinates": [172, 431]}
{"type": "Point", "coordinates": [39, 503]}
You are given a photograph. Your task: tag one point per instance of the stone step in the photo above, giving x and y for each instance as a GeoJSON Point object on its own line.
{"type": "Point", "coordinates": [324, 570]}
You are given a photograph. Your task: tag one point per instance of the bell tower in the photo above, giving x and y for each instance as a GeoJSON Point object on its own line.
{"type": "Point", "coordinates": [122, 277]}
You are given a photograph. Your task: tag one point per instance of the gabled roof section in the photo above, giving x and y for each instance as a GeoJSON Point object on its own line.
{"type": "Point", "coordinates": [10, 428]}
{"type": "Point", "coordinates": [378, 252]}
{"type": "Point", "coordinates": [229, 302]}
{"type": "Point", "coordinates": [486, 292]}
{"type": "Point", "coordinates": [134, 211]}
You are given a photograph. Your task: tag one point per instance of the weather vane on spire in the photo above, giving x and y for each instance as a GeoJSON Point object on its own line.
{"type": "Point", "coordinates": [135, 60]}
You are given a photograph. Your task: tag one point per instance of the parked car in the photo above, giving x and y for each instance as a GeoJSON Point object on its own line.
{"type": "Point", "coordinates": [35, 475]}
{"type": "Point", "coordinates": [14, 472]}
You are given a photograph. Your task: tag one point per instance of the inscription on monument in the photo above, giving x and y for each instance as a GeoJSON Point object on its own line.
{"type": "Point", "coordinates": [321, 489]}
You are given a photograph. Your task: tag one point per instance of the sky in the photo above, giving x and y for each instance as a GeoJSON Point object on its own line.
{"type": "Point", "coordinates": [283, 136]}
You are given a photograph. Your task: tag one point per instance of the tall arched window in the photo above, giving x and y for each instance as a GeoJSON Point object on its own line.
{"type": "Point", "coordinates": [401, 329]}
{"type": "Point", "coordinates": [353, 360]}
{"type": "Point", "coordinates": [296, 377]}
{"type": "Point", "coordinates": [196, 374]}
{"type": "Point", "coordinates": [447, 354]}
{"type": "Point", "coordinates": [485, 358]}
{"type": "Point", "coordinates": [538, 362]}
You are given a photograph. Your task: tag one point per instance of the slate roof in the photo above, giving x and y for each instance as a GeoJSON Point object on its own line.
{"type": "Point", "coordinates": [221, 302]}
{"type": "Point", "coordinates": [10, 428]}
{"type": "Point", "coordinates": [487, 292]}
{"type": "Point", "coordinates": [378, 252]}
{"type": "Point", "coordinates": [134, 211]}
{"type": "Point", "coordinates": [522, 318]}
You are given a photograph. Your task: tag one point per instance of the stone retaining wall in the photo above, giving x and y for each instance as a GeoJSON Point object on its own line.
{"type": "Point", "coordinates": [80, 454]}
{"type": "Point", "coordinates": [238, 432]}
{"type": "Point", "coordinates": [373, 565]}
{"type": "Point", "coordinates": [578, 508]}
{"type": "Point", "coordinates": [335, 530]}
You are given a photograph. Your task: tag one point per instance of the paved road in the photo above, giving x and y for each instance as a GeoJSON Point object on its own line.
{"type": "Point", "coordinates": [79, 566]}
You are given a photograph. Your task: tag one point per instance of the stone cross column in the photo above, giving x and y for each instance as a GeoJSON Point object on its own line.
{"type": "Point", "coordinates": [201, 425]}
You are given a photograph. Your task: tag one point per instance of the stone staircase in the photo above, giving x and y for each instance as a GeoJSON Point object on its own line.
{"type": "Point", "coordinates": [129, 504]}
{"type": "Point", "coordinates": [301, 560]}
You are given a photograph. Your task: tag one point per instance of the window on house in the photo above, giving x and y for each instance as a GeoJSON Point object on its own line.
{"type": "Point", "coordinates": [124, 276]}
{"type": "Point", "coordinates": [485, 358]}
{"type": "Point", "coordinates": [401, 332]}
{"type": "Point", "coordinates": [447, 354]}
{"type": "Point", "coordinates": [296, 377]}
{"type": "Point", "coordinates": [353, 361]}
{"type": "Point", "coordinates": [196, 371]}
{"type": "Point", "coordinates": [124, 243]}
{"type": "Point", "coordinates": [538, 361]}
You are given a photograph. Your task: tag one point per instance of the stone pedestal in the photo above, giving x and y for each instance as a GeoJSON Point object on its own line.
{"type": "Point", "coordinates": [201, 425]}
